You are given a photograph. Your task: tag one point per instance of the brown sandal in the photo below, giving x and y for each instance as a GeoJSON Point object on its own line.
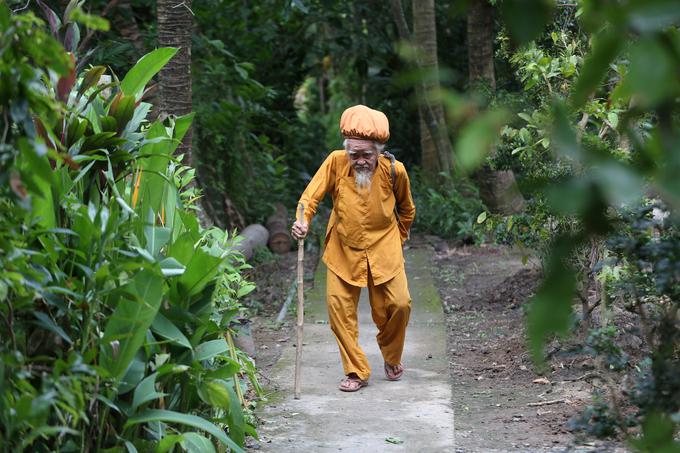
{"type": "Point", "coordinates": [393, 372]}
{"type": "Point", "coordinates": [352, 384]}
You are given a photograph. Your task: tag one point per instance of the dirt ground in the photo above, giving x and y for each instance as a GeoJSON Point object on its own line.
{"type": "Point", "coordinates": [501, 403]}
{"type": "Point", "coordinates": [274, 277]}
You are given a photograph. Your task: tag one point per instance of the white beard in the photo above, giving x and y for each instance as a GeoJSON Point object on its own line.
{"type": "Point", "coordinates": [362, 179]}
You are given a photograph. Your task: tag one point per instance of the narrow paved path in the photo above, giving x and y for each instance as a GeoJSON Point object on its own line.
{"type": "Point", "coordinates": [414, 414]}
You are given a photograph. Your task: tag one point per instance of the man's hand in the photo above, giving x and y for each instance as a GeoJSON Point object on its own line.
{"type": "Point", "coordinates": [299, 230]}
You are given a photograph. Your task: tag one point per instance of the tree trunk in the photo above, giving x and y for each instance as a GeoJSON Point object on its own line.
{"type": "Point", "coordinates": [498, 189]}
{"type": "Point", "coordinates": [436, 157]}
{"type": "Point", "coordinates": [430, 117]}
{"type": "Point", "coordinates": [480, 34]}
{"type": "Point", "coordinates": [174, 30]}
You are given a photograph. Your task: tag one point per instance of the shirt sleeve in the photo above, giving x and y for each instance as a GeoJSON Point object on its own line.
{"type": "Point", "coordinates": [405, 206]}
{"type": "Point", "coordinates": [322, 183]}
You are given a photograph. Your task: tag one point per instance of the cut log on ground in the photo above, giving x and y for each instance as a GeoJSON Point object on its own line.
{"type": "Point", "coordinates": [279, 234]}
{"type": "Point", "coordinates": [254, 236]}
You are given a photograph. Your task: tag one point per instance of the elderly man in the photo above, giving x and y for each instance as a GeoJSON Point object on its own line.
{"type": "Point", "coordinates": [372, 213]}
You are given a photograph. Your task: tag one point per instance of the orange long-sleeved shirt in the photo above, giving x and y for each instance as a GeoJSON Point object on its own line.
{"type": "Point", "coordinates": [363, 232]}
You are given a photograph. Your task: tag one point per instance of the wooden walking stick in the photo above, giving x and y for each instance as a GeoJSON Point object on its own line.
{"type": "Point", "coordinates": [300, 304]}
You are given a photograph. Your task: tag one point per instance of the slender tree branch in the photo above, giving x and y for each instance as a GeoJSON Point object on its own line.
{"type": "Point", "coordinates": [22, 8]}
{"type": "Point", "coordinates": [184, 4]}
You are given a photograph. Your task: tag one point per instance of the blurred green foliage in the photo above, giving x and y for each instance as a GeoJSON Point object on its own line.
{"type": "Point", "coordinates": [596, 138]}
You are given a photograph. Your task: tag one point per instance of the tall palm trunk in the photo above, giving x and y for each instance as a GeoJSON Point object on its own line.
{"type": "Point", "coordinates": [497, 188]}
{"type": "Point", "coordinates": [480, 42]}
{"type": "Point", "coordinates": [174, 30]}
{"type": "Point", "coordinates": [435, 147]}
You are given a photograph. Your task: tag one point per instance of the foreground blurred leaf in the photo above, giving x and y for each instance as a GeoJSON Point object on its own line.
{"type": "Point", "coordinates": [606, 47]}
{"type": "Point", "coordinates": [550, 310]}
{"type": "Point", "coordinates": [652, 77]}
{"type": "Point", "coordinates": [653, 15]}
{"type": "Point", "coordinates": [477, 139]}
{"type": "Point", "coordinates": [526, 19]}
{"type": "Point", "coordinates": [657, 435]}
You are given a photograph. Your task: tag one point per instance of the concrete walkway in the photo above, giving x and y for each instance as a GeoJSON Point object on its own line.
{"type": "Point", "coordinates": [413, 414]}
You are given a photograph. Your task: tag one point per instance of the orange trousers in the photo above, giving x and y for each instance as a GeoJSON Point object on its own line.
{"type": "Point", "coordinates": [390, 309]}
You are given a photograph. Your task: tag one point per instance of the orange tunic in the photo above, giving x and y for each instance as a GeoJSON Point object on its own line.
{"type": "Point", "coordinates": [363, 232]}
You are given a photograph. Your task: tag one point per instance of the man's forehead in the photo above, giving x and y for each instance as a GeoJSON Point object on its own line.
{"type": "Point", "coordinates": [359, 145]}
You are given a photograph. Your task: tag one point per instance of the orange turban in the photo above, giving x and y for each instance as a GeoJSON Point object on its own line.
{"type": "Point", "coordinates": [362, 122]}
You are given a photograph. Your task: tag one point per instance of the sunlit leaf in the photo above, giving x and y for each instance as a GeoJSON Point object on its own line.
{"type": "Point", "coordinates": [215, 393]}
{"type": "Point", "coordinates": [148, 66]}
{"type": "Point", "coordinates": [91, 21]}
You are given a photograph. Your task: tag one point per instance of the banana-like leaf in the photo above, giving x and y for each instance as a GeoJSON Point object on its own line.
{"type": "Point", "coordinates": [146, 391]}
{"type": "Point", "coordinates": [200, 270]}
{"type": "Point", "coordinates": [157, 415]}
{"type": "Point", "coordinates": [156, 238]}
{"type": "Point", "coordinates": [152, 186]}
{"type": "Point", "coordinates": [130, 321]}
{"type": "Point", "coordinates": [148, 66]}
{"type": "Point", "coordinates": [166, 329]}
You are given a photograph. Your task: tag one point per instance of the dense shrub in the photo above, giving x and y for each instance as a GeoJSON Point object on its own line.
{"type": "Point", "coordinates": [114, 335]}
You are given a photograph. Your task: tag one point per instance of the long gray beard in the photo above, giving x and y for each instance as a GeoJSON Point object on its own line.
{"type": "Point", "coordinates": [362, 179]}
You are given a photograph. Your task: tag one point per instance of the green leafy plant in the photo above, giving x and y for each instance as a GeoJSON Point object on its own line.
{"type": "Point", "coordinates": [117, 335]}
{"type": "Point", "coordinates": [445, 210]}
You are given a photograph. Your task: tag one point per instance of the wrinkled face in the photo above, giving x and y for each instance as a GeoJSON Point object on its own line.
{"type": "Point", "coordinates": [362, 155]}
